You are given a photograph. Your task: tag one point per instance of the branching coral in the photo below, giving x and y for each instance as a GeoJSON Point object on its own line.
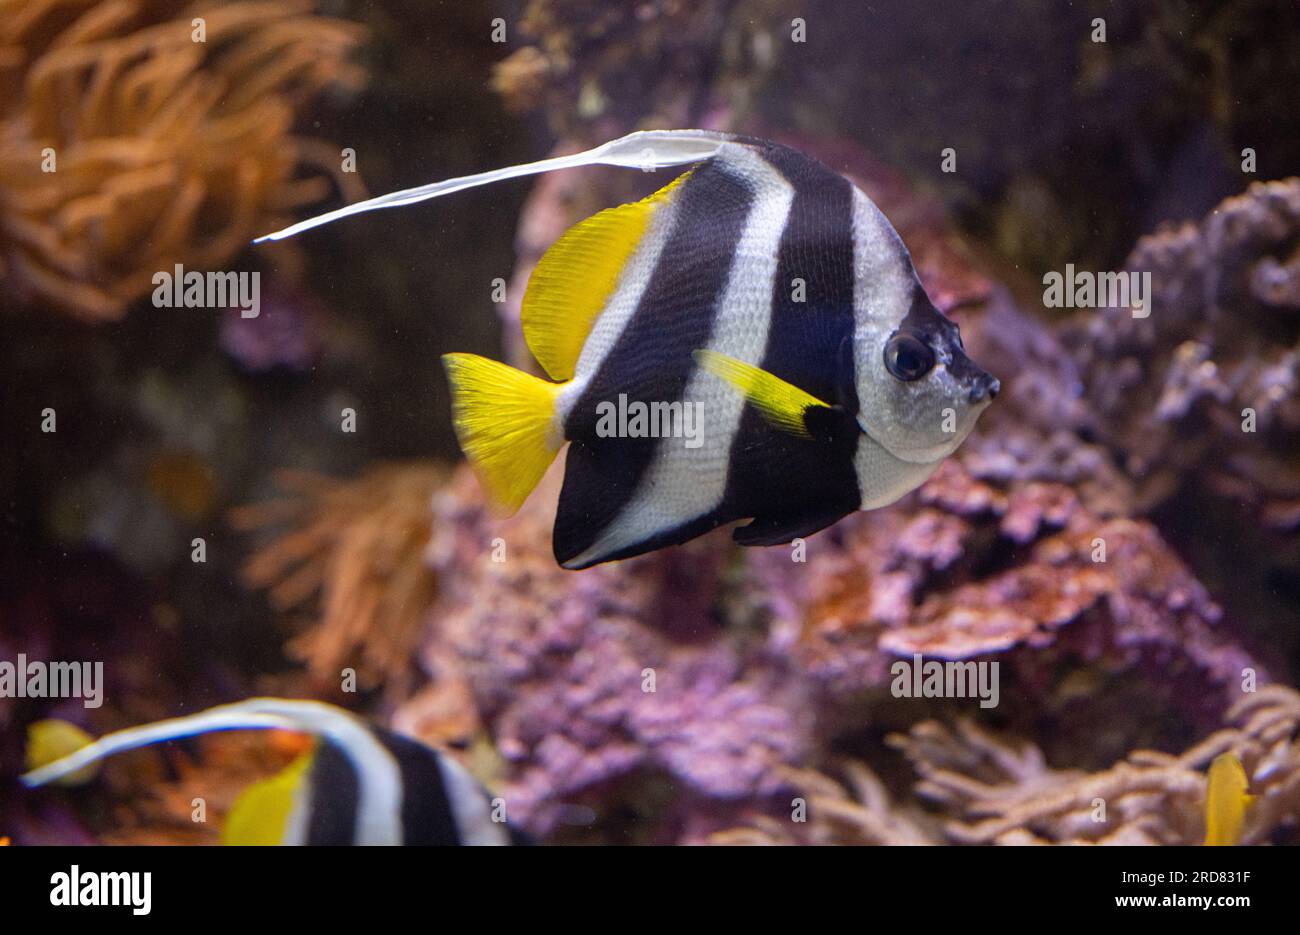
{"type": "Point", "coordinates": [990, 789]}
{"type": "Point", "coordinates": [857, 811]}
{"type": "Point", "coordinates": [1222, 336]}
{"type": "Point", "coordinates": [350, 557]}
{"type": "Point", "coordinates": [997, 792]}
{"type": "Point", "coordinates": [127, 147]}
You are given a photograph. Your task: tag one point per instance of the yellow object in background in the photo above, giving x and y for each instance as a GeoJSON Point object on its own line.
{"type": "Point", "coordinates": [53, 739]}
{"type": "Point", "coordinates": [1226, 801]}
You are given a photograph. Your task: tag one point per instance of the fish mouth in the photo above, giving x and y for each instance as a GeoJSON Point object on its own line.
{"type": "Point", "coordinates": [984, 389]}
{"type": "Point", "coordinates": [981, 387]}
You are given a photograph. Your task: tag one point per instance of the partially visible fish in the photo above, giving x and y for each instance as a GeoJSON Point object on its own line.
{"type": "Point", "coordinates": [761, 293]}
{"type": "Point", "coordinates": [1226, 801]}
{"type": "Point", "coordinates": [360, 785]}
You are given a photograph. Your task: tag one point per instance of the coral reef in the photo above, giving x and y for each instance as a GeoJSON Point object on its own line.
{"type": "Point", "coordinates": [1199, 399]}
{"type": "Point", "coordinates": [982, 788]}
{"type": "Point", "coordinates": [352, 561]}
{"type": "Point", "coordinates": [1169, 391]}
{"type": "Point", "coordinates": [285, 335]}
{"type": "Point", "coordinates": [579, 691]}
{"type": "Point", "coordinates": [857, 811]}
{"type": "Point", "coordinates": [126, 146]}
{"type": "Point", "coordinates": [1000, 793]}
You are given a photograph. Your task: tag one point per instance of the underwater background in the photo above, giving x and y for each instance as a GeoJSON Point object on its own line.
{"type": "Point", "coordinates": [201, 517]}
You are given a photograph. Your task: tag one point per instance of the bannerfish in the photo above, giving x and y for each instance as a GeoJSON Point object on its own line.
{"type": "Point", "coordinates": [1226, 801]}
{"type": "Point", "coordinates": [761, 295]}
{"type": "Point", "coordinates": [360, 784]}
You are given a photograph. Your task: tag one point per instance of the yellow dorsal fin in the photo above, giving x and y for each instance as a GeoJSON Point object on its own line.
{"type": "Point", "coordinates": [261, 812]}
{"type": "Point", "coordinates": [574, 280]}
{"type": "Point", "coordinates": [782, 404]}
{"type": "Point", "coordinates": [53, 739]}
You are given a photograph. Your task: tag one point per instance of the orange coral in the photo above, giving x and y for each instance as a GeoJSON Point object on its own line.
{"type": "Point", "coordinates": [165, 149]}
{"type": "Point", "coordinates": [359, 547]}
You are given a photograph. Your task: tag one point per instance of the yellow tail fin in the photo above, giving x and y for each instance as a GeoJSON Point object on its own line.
{"type": "Point", "coordinates": [505, 420]}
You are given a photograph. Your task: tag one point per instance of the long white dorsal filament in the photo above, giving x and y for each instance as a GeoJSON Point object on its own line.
{"type": "Point", "coordinates": [646, 149]}
{"type": "Point", "coordinates": [254, 714]}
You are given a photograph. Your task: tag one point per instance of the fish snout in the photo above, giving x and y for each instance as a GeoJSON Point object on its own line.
{"type": "Point", "coordinates": [985, 389]}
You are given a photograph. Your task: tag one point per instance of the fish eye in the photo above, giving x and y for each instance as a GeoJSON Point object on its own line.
{"type": "Point", "coordinates": [907, 357]}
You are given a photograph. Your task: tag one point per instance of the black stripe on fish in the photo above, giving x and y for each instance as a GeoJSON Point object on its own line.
{"type": "Point", "coordinates": [796, 486]}
{"type": "Point", "coordinates": [805, 338]}
{"type": "Point", "coordinates": [427, 816]}
{"type": "Point", "coordinates": [651, 361]}
{"type": "Point", "coordinates": [334, 797]}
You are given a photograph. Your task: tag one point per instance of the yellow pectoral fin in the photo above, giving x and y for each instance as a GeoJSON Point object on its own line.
{"type": "Point", "coordinates": [53, 739]}
{"type": "Point", "coordinates": [261, 813]}
{"type": "Point", "coordinates": [574, 279]}
{"type": "Point", "coordinates": [781, 403]}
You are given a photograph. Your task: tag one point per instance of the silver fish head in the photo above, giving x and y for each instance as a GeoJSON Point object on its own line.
{"type": "Point", "coordinates": [920, 394]}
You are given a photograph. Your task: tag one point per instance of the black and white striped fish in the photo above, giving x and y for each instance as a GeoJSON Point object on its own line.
{"type": "Point", "coordinates": [360, 785]}
{"type": "Point", "coordinates": [760, 288]}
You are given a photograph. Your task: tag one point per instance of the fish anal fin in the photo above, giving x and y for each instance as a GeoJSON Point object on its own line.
{"type": "Point", "coordinates": [575, 278]}
{"type": "Point", "coordinates": [783, 405]}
